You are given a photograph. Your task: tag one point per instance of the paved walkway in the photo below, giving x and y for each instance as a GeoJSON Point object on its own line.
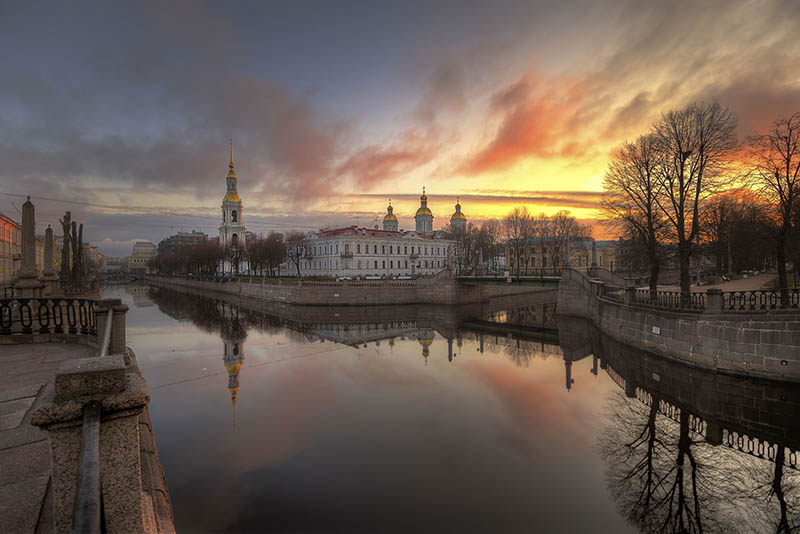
{"type": "Point", "coordinates": [24, 449]}
{"type": "Point", "coordinates": [751, 283]}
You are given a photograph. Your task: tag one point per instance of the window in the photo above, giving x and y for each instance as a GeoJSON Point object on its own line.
{"type": "Point", "coordinates": [376, 264]}
{"type": "Point", "coordinates": [224, 217]}
{"type": "Point", "coordinates": [233, 216]}
{"type": "Point", "coordinates": [544, 261]}
{"type": "Point", "coordinates": [390, 249]}
{"type": "Point", "coordinates": [235, 239]}
{"type": "Point", "coordinates": [384, 264]}
{"type": "Point", "coordinates": [347, 248]}
{"type": "Point", "coordinates": [358, 248]}
{"type": "Point", "coordinates": [375, 249]}
{"type": "Point", "coordinates": [405, 251]}
{"type": "Point", "coordinates": [533, 261]}
{"type": "Point", "coordinates": [359, 264]}
{"type": "Point", "coordinates": [383, 249]}
{"type": "Point", "coordinates": [406, 264]}
{"type": "Point", "coordinates": [391, 264]}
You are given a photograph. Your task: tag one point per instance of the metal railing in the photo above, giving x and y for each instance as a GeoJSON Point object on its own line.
{"type": "Point", "coordinates": [47, 316]}
{"type": "Point", "coordinates": [760, 300]}
{"type": "Point", "coordinates": [86, 517]}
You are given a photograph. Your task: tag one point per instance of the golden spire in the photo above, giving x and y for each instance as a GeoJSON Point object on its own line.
{"type": "Point", "coordinates": [231, 163]}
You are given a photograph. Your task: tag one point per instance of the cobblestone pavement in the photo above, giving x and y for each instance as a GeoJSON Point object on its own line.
{"type": "Point", "coordinates": [24, 449]}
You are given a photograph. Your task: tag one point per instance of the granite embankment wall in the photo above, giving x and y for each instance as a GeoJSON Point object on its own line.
{"type": "Point", "coordinates": [440, 289]}
{"type": "Point", "coordinates": [755, 343]}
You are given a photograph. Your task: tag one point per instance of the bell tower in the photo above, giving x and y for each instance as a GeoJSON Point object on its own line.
{"type": "Point", "coordinates": [232, 229]}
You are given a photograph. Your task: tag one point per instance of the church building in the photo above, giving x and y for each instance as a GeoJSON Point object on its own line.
{"type": "Point", "coordinates": [389, 252]}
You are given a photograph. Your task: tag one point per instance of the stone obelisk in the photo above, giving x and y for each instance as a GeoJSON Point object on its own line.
{"type": "Point", "coordinates": [28, 284]}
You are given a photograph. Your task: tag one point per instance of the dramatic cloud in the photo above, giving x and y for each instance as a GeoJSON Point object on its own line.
{"type": "Point", "coordinates": [537, 116]}
{"type": "Point", "coordinates": [131, 105]}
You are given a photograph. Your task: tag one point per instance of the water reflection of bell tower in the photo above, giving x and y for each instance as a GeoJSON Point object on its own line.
{"type": "Point", "coordinates": [233, 335]}
{"type": "Point", "coordinates": [233, 358]}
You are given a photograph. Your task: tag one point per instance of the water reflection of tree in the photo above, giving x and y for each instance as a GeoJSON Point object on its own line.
{"type": "Point", "coordinates": [660, 481]}
{"type": "Point", "coordinates": [665, 478]}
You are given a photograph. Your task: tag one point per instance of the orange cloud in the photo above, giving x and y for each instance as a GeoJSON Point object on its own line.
{"type": "Point", "coordinates": [538, 117]}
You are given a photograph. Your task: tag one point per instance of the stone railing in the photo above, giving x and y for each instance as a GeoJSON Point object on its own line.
{"type": "Point", "coordinates": [46, 316]}
{"type": "Point", "coordinates": [106, 476]}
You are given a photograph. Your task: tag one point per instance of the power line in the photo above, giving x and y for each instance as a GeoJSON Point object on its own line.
{"type": "Point", "coordinates": [158, 211]}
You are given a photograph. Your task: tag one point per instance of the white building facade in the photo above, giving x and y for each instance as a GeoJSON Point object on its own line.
{"type": "Point", "coordinates": [363, 252]}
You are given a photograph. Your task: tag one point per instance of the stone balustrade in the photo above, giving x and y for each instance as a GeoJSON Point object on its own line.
{"type": "Point", "coordinates": [133, 487]}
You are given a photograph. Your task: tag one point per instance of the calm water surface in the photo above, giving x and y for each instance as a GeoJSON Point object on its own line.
{"type": "Point", "coordinates": [372, 420]}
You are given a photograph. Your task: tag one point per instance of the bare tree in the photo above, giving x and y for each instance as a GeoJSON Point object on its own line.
{"type": "Point", "coordinates": [633, 189]}
{"type": "Point", "coordinates": [296, 248]}
{"type": "Point", "coordinates": [694, 146]}
{"type": "Point", "coordinates": [776, 162]}
{"type": "Point", "coordinates": [517, 229]}
{"type": "Point", "coordinates": [77, 252]}
{"type": "Point", "coordinates": [65, 246]}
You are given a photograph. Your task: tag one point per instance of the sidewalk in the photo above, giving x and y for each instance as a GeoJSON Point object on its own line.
{"type": "Point", "coordinates": [751, 283]}
{"type": "Point", "coordinates": [24, 449]}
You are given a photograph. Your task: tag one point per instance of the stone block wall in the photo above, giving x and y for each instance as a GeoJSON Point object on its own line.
{"type": "Point", "coordinates": [441, 289]}
{"type": "Point", "coordinates": [765, 344]}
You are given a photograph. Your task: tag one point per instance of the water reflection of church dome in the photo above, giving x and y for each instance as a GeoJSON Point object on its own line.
{"type": "Point", "coordinates": [425, 337]}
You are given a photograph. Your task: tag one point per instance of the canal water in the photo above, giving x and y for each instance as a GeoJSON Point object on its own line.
{"type": "Point", "coordinates": [423, 419]}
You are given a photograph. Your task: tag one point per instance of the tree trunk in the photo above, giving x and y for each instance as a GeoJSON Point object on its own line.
{"type": "Point", "coordinates": [654, 268]}
{"type": "Point", "coordinates": [783, 281]}
{"type": "Point", "coordinates": [684, 254]}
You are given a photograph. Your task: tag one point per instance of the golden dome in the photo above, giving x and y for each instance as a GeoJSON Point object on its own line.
{"type": "Point", "coordinates": [389, 215]}
{"type": "Point", "coordinates": [424, 211]}
{"type": "Point", "coordinates": [458, 215]}
{"type": "Point", "coordinates": [231, 196]}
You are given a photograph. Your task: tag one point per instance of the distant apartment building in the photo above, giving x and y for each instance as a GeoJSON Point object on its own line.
{"type": "Point", "coordinates": [533, 255]}
{"type": "Point", "coordinates": [180, 240]}
{"type": "Point", "coordinates": [10, 248]}
{"type": "Point", "coordinates": [141, 253]}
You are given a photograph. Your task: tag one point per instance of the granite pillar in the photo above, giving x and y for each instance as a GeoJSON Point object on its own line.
{"type": "Point", "coordinates": [124, 396]}
{"type": "Point", "coordinates": [28, 284]}
{"type": "Point", "coordinates": [118, 337]}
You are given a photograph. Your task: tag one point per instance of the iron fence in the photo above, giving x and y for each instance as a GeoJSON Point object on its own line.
{"type": "Point", "coordinates": [761, 300]}
{"type": "Point", "coordinates": [670, 299]}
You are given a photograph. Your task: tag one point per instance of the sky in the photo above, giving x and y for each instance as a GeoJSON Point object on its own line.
{"type": "Point", "coordinates": [122, 111]}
